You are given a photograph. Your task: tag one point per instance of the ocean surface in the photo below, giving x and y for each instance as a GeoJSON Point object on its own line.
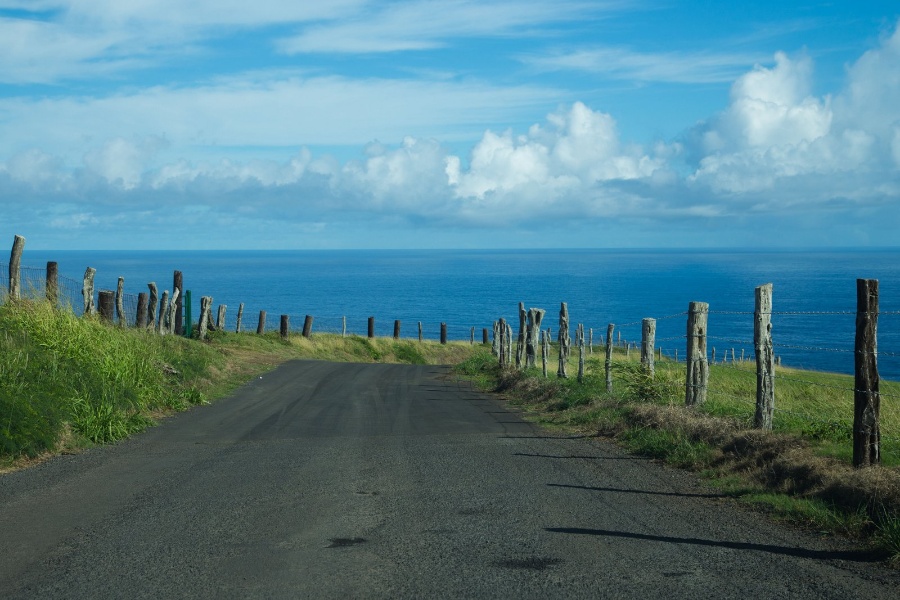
{"type": "Point", "coordinates": [814, 291]}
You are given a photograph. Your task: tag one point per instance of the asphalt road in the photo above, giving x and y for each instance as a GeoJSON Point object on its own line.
{"type": "Point", "coordinates": [391, 481]}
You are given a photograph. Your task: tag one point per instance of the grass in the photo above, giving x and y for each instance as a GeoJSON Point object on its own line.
{"type": "Point", "coordinates": [799, 472]}
{"type": "Point", "coordinates": [67, 382]}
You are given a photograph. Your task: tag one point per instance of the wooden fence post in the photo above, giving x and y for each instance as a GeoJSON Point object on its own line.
{"type": "Point", "coordinates": [188, 319]}
{"type": "Point", "coordinates": [579, 336]}
{"type": "Point", "coordinates": [344, 326]}
{"type": "Point", "coordinates": [163, 309]}
{"type": "Point", "coordinates": [220, 317]}
{"type": "Point", "coordinates": [472, 337]}
{"type": "Point", "coordinates": [866, 397]}
{"type": "Point", "coordinates": [307, 326]}
{"type": "Point", "coordinates": [501, 328]}
{"type": "Point", "coordinates": [87, 291]}
{"type": "Point", "coordinates": [535, 316]}
{"type": "Point", "coordinates": [285, 327]}
{"type": "Point", "coordinates": [396, 329]}
{"type": "Point", "coordinates": [170, 312]}
{"type": "Point", "coordinates": [240, 317]}
{"type": "Point", "coordinates": [545, 351]}
{"type": "Point", "coordinates": [151, 306]}
{"type": "Point", "coordinates": [120, 302]}
{"type": "Point", "coordinates": [420, 331]}
{"type": "Point", "coordinates": [261, 326]}
{"type": "Point", "coordinates": [765, 358]}
{"type": "Point", "coordinates": [648, 341]}
{"type": "Point", "coordinates": [140, 320]}
{"type": "Point", "coordinates": [495, 345]}
{"type": "Point", "coordinates": [609, 349]}
{"type": "Point", "coordinates": [485, 339]}
{"type": "Point", "coordinates": [564, 341]}
{"type": "Point", "coordinates": [697, 370]}
{"type": "Point", "coordinates": [178, 288]}
{"type": "Point", "coordinates": [371, 331]}
{"type": "Point", "coordinates": [205, 315]}
{"type": "Point", "coordinates": [106, 301]}
{"type": "Point", "coordinates": [443, 333]}
{"type": "Point", "coordinates": [51, 287]}
{"type": "Point", "coordinates": [15, 269]}
{"type": "Point", "coordinates": [520, 341]}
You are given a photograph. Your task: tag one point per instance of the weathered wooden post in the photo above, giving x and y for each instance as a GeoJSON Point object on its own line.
{"type": "Point", "coordinates": [648, 341]}
{"type": "Point", "coordinates": [15, 269]}
{"type": "Point", "coordinates": [178, 298]}
{"type": "Point", "coordinates": [188, 319]}
{"type": "Point", "coordinates": [545, 351]}
{"type": "Point", "coordinates": [697, 365]}
{"type": "Point", "coordinates": [120, 302]}
{"type": "Point", "coordinates": [765, 358]}
{"type": "Point", "coordinates": [220, 317]}
{"type": "Point", "coordinates": [261, 326]}
{"type": "Point", "coordinates": [443, 333]}
{"type": "Point", "coordinates": [141, 318]}
{"type": "Point", "coordinates": [609, 350]}
{"type": "Point", "coordinates": [285, 327]}
{"type": "Point", "coordinates": [421, 334]}
{"type": "Point", "coordinates": [371, 331]}
{"type": "Point", "coordinates": [172, 310]}
{"type": "Point", "coordinates": [205, 315]}
{"type": "Point", "coordinates": [87, 291]}
{"type": "Point", "coordinates": [564, 341]}
{"type": "Point", "coordinates": [591, 340]}
{"type": "Point", "coordinates": [535, 316]}
{"type": "Point", "coordinates": [240, 317]}
{"type": "Point", "coordinates": [51, 287]}
{"type": "Point", "coordinates": [485, 340]}
{"type": "Point", "coordinates": [106, 304]}
{"type": "Point", "coordinates": [501, 329]}
{"type": "Point", "coordinates": [866, 397]}
{"type": "Point", "coordinates": [495, 345]}
{"type": "Point", "coordinates": [397, 329]}
{"type": "Point", "coordinates": [344, 326]}
{"type": "Point", "coordinates": [151, 306]}
{"type": "Point", "coordinates": [580, 341]}
{"type": "Point", "coordinates": [307, 326]}
{"type": "Point", "coordinates": [472, 337]}
{"type": "Point", "coordinates": [520, 341]}
{"type": "Point", "coordinates": [163, 308]}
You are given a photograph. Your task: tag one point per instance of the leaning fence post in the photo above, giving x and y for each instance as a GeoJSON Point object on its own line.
{"type": "Point", "coordinates": [87, 290]}
{"type": "Point", "coordinates": [307, 326]}
{"type": "Point", "coordinates": [261, 325]}
{"type": "Point", "coordinates": [285, 327]}
{"type": "Point", "coordinates": [697, 365]}
{"type": "Point", "coordinates": [51, 288]}
{"type": "Point", "coordinates": [648, 340]}
{"type": "Point", "coordinates": [170, 313]}
{"type": "Point", "coordinates": [866, 397]}
{"type": "Point", "coordinates": [765, 358]}
{"type": "Point", "coordinates": [15, 271]}
{"type": "Point", "coordinates": [240, 317]}
{"type": "Point", "coordinates": [609, 350]}
{"type": "Point", "coordinates": [163, 309]}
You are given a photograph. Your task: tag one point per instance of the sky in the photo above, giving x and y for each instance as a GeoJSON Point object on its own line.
{"type": "Point", "coordinates": [278, 124]}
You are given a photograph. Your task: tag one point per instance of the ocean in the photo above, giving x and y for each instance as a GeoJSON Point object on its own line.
{"type": "Point", "coordinates": [814, 291]}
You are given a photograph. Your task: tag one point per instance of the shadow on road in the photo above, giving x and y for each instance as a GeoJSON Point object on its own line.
{"type": "Point", "coordinates": [622, 491]}
{"type": "Point", "coordinates": [849, 555]}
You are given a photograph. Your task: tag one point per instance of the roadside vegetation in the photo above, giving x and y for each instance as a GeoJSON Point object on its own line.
{"type": "Point", "coordinates": [68, 383]}
{"type": "Point", "coordinates": [800, 472]}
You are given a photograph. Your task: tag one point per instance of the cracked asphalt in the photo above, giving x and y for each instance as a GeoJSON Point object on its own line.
{"type": "Point", "coordinates": [327, 480]}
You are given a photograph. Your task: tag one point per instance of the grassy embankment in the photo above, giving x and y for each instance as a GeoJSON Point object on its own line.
{"type": "Point", "coordinates": [800, 472]}
{"type": "Point", "coordinates": [68, 383]}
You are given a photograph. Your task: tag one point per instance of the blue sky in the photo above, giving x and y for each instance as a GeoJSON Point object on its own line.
{"type": "Point", "coordinates": [449, 124]}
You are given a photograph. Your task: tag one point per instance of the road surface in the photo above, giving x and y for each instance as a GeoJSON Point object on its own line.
{"type": "Point", "coordinates": [391, 481]}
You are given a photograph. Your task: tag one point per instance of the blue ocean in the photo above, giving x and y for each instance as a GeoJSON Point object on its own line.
{"type": "Point", "coordinates": [814, 291]}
